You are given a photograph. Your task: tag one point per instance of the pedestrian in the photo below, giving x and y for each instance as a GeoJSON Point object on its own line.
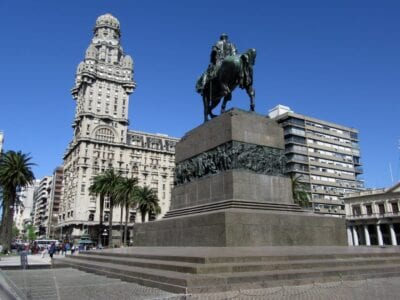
{"type": "Point", "coordinates": [44, 250]}
{"type": "Point", "coordinates": [52, 249]}
{"type": "Point", "coordinates": [67, 248]}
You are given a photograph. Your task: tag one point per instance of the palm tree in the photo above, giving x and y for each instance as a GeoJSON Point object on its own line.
{"type": "Point", "coordinates": [126, 197]}
{"type": "Point", "coordinates": [105, 185]}
{"type": "Point", "coordinates": [299, 192]}
{"type": "Point", "coordinates": [147, 202]}
{"type": "Point", "coordinates": [98, 187]}
{"type": "Point", "coordinates": [15, 173]}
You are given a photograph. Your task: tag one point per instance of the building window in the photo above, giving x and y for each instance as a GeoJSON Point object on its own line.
{"type": "Point", "coordinates": [369, 209]}
{"type": "Point", "coordinates": [356, 211]}
{"type": "Point", "coordinates": [104, 134]}
{"type": "Point", "coordinates": [91, 217]}
{"type": "Point", "coordinates": [381, 208]}
{"type": "Point", "coordinates": [395, 207]}
{"type": "Point", "coordinates": [106, 217]}
{"type": "Point", "coordinates": [132, 217]}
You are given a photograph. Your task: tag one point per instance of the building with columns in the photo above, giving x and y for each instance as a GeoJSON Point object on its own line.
{"type": "Point", "coordinates": [373, 218]}
{"type": "Point", "coordinates": [102, 139]}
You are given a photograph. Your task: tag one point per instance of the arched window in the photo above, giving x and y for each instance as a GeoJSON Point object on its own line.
{"type": "Point", "coordinates": [104, 134]}
{"type": "Point", "coordinates": [91, 217]}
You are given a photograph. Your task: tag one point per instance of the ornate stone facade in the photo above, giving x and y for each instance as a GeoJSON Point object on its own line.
{"type": "Point", "coordinates": [102, 140]}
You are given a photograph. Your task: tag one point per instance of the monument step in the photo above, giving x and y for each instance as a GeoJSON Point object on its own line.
{"type": "Point", "coordinates": [299, 277]}
{"type": "Point", "coordinates": [234, 267]}
{"type": "Point", "coordinates": [200, 283]}
{"type": "Point", "coordinates": [229, 204]}
{"type": "Point", "coordinates": [176, 282]}
{"type": "Point", "coordinates": [226, 258]}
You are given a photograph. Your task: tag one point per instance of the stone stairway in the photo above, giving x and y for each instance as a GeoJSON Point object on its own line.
{"type": "Point", "coordinates": [213, 272]}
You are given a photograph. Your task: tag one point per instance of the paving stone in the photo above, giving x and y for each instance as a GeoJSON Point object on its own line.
{"type": "Point", "coordinates": [68, 283]}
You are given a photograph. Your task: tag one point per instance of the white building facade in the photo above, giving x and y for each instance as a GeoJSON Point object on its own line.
{"type": "Point", "coordinates": [23, 212]}
{"type": "Point", "coordinates": [373, 218]}
{"type": "Point", "coordinates": [102, 140]}
{"type": "Point", "coordinates": [41, 204]}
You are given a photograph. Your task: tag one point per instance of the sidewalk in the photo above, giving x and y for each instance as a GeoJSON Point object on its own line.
{"type": "Point", "coordinates": [34, 261]}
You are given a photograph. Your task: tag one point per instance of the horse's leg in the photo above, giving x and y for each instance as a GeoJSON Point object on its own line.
{"type": "Point", "coordinates": [227, 98]}
{"type": "Point", "coordinates": [252, 93]}
{"type": "Point", "coordinates": [213, 104]}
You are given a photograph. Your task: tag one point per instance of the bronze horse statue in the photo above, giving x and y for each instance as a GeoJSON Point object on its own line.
{"type": "Point", "coordinates": [235, 70]}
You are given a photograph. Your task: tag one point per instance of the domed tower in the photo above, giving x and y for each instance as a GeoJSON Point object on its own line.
{"type": "Point", "coordinates": [104, 81]}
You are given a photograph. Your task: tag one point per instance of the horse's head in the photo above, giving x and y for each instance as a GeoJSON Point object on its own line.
{"type": "Point", "coordinates": [252, 53]}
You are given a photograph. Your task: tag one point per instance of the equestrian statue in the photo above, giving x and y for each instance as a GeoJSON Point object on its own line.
{"type": "Point", "coordinates": [226, 71]}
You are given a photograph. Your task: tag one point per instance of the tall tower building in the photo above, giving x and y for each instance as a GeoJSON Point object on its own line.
{"type": "Point", "coordinates": [104, 81]}
{"type": "Point", "coordinates": [325, 156]}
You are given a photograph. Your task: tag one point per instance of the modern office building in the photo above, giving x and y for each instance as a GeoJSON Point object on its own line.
{"type": "Point", "coordinates": [102, 140]}
{"type": "Point", "coordinates": [373, 218]}
{"type": "Point", "coordinates": [325, 155]}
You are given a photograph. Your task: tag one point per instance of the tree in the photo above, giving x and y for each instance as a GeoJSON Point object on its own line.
{"type": "Point", "coordinates": [15, 173]}
{"type": "Point", "coordinates": [126, 197]}
{"type": "Point", "coordinates": [105, 185]}
{"type": "Point", "coordinates": [30, 233]}
{"type": "Point", "coordinates": [299, 192]}
{"type": "Point", "coordinates": [147, 202]}
{"type": "Point", "coordinates": [15, 232]}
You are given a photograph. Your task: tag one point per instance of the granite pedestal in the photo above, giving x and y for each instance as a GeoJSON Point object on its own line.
{"type": "Point", "coordinates": [231, 191]}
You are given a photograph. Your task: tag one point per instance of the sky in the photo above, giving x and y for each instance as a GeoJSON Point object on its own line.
{"type": "Point", "coordinates": [335, 60]}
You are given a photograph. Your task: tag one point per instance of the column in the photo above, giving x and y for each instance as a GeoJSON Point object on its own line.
{"type": "Point", "coordinates": [366, 233]}
{"type": "Point", "coordinates": [355, 236]}
{"type": "Point", "coordinates": [379, 232]}
{"type": "Point", "coordinates": [349, 236]}
{"type": "Point", "coordinates": [393, 235]}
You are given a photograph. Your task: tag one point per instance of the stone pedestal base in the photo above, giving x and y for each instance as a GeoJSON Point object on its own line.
{"type": "Point", "coordinates": [243, 228]}
{"type": "Point", "coordinates": [232, 184]}
{"type": "Point", "coordinates": [231, 191]}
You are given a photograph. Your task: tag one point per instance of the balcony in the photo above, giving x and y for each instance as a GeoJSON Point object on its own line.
{"type": "Point", "coordinates": [359, 170]}
{"type": "Point", "coordinates": [291, 122]}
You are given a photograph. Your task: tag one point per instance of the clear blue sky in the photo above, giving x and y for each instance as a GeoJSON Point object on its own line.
{"type": "Point", "coordinates": [334, 60]}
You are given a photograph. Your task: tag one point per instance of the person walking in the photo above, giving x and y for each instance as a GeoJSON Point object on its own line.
{"type": "Point", "coordinates": [52, 249]}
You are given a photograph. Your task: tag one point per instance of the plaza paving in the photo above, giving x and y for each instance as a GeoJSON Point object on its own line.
{"type": "Point", "coordinates": [68, 283]}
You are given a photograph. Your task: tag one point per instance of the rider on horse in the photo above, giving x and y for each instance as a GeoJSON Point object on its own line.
{"type": "Point", "coordinates": [219, 51]}
{"type": "Point", "coordinates": [226, 71]}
